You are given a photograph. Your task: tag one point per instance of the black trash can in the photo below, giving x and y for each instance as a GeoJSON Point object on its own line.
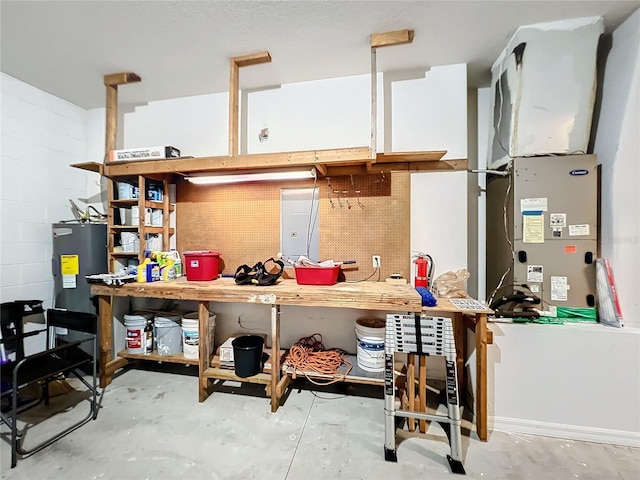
{"type": "Point", "coordinates": [247, 355]}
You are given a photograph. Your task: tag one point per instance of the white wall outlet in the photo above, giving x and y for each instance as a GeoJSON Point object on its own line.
{"type": "Point", "coordinates": [375, 259]}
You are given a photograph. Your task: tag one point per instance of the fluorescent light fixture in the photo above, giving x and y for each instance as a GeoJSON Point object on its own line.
{"type": "Point", "coordinates": [261, 176]}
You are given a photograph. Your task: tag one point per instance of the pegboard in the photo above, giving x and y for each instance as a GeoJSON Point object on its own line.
{"type": "Point", "coordinates": [374, 222]}
{"type": "Point", "coordinates": [359, 216]}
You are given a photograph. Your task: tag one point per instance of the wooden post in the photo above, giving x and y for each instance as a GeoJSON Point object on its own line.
{"type": "Point", "coordinates": [110, 141]}
{"type": "Point", "coordinates": [481, 376]}
{"type": "Point", "coordinates": [234, 93]}
{"type": "Point", "coordinates": [105, 336]}
{"type": "Point", "coordinates": [233, 108]}
{"type": "Point", "coordinates": [204, 350]}
{"type": "Point", "coordinates": [275, 356]}
{"type": "Point", "coordinates": [374, 104]}
{"type": "Point", "coordinates": [386, 39]}
{"type": "Point", "coordinates": [411, 389]}
{"type": "Point", "coordinates": [460, 337]}
{"type": "Point", "coordinates": [422, 386]}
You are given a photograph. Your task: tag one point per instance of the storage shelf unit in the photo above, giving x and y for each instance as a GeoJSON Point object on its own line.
{"type": "Point", "coordinates": [141, 229]}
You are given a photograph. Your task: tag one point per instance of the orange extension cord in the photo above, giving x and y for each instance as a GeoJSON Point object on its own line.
{"type": "Point", "coordinates": [327, 362]}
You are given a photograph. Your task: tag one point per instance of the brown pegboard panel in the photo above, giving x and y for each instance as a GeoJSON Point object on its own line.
{"type": "Point", "coordinates": [375, 221]}
{"type": "Point", "coordinates": [242, 221]}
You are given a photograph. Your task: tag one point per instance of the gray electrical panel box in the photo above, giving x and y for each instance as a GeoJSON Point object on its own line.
{"type": "Point", "coordinates": [542, 229]}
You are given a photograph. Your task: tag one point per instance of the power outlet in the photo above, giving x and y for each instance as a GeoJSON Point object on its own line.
{"type": "Point", "coordinates": [375, 260]}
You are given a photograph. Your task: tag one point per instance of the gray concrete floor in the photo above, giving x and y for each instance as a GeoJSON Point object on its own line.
{"type": "Point", "coordinates": [151, 426]}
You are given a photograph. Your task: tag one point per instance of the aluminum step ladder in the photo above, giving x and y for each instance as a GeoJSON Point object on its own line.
{"type": "Point", "coordinates": [422, 335]}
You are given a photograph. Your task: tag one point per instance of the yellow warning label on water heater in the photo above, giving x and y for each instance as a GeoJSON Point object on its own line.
{"type": "Point", "coordinates": [69, 265]}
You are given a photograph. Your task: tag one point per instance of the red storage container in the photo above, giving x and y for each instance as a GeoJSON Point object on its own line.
{"type": "Point", "coordinates": [317, 275]}
{"type": "Point", "coordinates": [201, 265]}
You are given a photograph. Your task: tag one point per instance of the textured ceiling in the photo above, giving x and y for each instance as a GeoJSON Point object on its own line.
{"type": "Point", "coordinates": [183, 48]}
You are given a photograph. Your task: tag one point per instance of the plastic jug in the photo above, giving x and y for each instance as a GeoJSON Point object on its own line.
{"type": "Point", "coordinates": [177, 262]}
{"type": "Point", "coordinates": [142, 270]}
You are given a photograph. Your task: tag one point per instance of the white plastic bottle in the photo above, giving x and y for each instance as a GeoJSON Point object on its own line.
{"type": "Point", "coordinates": [177, 262]}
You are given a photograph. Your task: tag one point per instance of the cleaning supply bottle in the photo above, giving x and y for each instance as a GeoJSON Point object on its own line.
{"type": "Point", "coordinates": [177, 262]}
{"type": "Point", "coordinates": [169, 271]}
{"type": "Point", "coordinates": [148, 337]}
{"type": "Point", "coordinates": [142, 270]}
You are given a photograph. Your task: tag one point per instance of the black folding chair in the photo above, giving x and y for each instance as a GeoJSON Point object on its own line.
{"type": "Point", "coordinates": [64, 358]}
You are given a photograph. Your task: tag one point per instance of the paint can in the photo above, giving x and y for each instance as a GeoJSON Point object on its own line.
{"type": "Point", "coordinates": [370, 333]}
{"type": "Point", "coordinates": [191, 334]}
{"type": "Point", "coordinates": [134, 324]}
{"type": "Point", "coordinates": [168, 334]}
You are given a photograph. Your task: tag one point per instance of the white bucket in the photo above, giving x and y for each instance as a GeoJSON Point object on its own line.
{"type": "Point", "coordinates": [191, 336]}
{"type": "Point", "coordinates": [370, 332]}
{"type": "Point", "coordinates": [134, 326]}
{"type": "Point", "coordinates": [167, 333]}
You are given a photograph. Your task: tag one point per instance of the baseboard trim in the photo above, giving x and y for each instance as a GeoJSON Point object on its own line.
{"type": "Point", "coordinates": [571, 432]}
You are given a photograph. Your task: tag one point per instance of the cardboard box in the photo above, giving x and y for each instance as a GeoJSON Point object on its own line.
{"type": "Point", "coordinates": [145, 153]}
{"type": "Point", "coordinates": [226, 349]}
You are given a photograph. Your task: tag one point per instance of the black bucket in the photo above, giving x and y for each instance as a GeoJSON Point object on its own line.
{"type": "Point", "coordinates": [247, 355]}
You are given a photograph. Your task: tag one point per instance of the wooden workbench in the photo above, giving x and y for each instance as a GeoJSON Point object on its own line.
{"type": "Point", "coordinates": [378, 296]}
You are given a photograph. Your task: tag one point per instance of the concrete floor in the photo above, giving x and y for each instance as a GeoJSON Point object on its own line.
{"type": "Point", "coordinates": [151, 426]}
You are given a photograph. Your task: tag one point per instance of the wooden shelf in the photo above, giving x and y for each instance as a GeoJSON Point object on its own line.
{"type": "Point", "coordinates": [124, 254]}
{"type": "Point", "coordinates": [356, 375]}
{"type": "Point", "coordinates": [135, 228]}
{"type": "Point", "coordinates": [124, 228]}
{"type": "Point", "coordinates": [132, 202]}
{"type": "Point", "coordinates": [229, 374]}
{"type": "Point", "coordinates": [158, 205]}
{"type": "Point", "coordinates": [332, 162]}
{"type": "Point", "coordinates": [90, 167]}
{"type": "Point", "coordinates": [155, 357]}
{"type": "Point", "coordinates": [150, 229]}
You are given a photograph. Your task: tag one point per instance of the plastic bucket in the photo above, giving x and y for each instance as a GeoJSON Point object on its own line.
{"type": "Point", "coordinates": [370, 332]}
{"type": "Point", "coordinates": [134, 327]}
{"type": "Point", "coordinates": [168, 335]}
{"type": "Point", "coordinates": [247, 355]}
{"type": "Point", "coordinates": [191, 335]}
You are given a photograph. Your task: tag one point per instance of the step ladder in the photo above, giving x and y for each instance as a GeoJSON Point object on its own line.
{"type": "Point", "coordinates": [422, 335]}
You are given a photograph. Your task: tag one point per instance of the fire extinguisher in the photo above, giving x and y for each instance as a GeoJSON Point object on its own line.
{"type": "Point", "coordinates": [423, 270]}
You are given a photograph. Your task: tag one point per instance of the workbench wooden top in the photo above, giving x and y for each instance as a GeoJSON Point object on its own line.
{"type": "Point", "coordinates": [361, 295]}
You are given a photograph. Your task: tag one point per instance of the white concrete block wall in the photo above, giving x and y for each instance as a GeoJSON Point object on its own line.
{"type": "Point", "coordinates": [41, 136]}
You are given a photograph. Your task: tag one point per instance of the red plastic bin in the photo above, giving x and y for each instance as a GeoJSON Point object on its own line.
{"type": "Point", "coordinates": [201, 265]}
{"type": "Point", "coordinates": [317, 275]}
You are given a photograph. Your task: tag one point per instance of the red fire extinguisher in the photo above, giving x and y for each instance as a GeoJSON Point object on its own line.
{"type": "Point", "coordinates": [423, 270]}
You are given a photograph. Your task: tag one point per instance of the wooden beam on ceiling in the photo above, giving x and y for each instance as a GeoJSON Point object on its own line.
{"type": "Point", "coordinates": [388, 39]}
{"type": "Point", "coordinates": [121, 78]}
{"type": "Point", "coordinates": [252, 59]}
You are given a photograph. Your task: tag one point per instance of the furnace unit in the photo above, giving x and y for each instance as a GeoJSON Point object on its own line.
{"type": "Point", "coordinates": [544, 217]}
